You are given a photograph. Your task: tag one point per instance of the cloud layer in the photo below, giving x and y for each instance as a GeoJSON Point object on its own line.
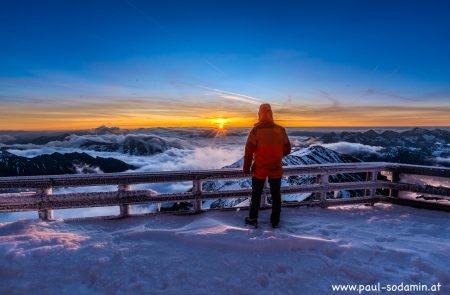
{"type": "Point", "coordinates": [352, 148]}
{"type": "Point", "coordinates": [177, 152]}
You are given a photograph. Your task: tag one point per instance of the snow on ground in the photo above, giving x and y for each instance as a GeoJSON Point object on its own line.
{"type": "Point", "coordinates": [213, 253]}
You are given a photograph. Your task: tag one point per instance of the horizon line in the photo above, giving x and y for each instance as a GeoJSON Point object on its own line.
{"type": "Point", "coordinates": [237, 127]}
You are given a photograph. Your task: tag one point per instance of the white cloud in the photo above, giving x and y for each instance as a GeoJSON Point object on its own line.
{"type": "Point", "coordinates": [352, 148]}
{"type": "Point", "coordinates": [442, 160]}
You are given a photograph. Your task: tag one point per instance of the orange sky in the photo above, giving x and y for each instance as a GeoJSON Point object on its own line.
{"type": "Point", "coordinates": [72, 117]}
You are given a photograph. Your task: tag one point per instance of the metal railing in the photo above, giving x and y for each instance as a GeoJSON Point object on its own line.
{"type": "Point", "coordinates": [40, 197]}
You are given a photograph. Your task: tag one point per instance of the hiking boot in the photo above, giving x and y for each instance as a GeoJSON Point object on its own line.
{"type": "Point", "coordinates": [274, 222]}
{"type": "Point", "coordinates": [251, 221]}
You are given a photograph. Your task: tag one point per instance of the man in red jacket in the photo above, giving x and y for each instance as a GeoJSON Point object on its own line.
{"type": "Point", "coordinates": [266, 146]}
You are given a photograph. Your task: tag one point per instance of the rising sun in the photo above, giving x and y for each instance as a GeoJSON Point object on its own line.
{"type": "Point", "coordinates": [220, 123]}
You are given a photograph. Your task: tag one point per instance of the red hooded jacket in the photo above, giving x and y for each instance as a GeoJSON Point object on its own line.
{"type": "Point", "coordinates": [266, 146]}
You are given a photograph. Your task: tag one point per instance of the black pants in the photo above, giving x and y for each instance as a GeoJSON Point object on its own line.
{"type": "Point", "coordinates": [257, 188]}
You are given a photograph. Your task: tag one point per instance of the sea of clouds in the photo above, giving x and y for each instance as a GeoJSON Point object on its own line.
{"type": "Point", "coordinates": [202, 154]}
{"type": "Point", "coordinates": [184, 149]}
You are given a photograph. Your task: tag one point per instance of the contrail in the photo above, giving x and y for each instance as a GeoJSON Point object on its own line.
{"type": "Point", "coordinates": [234, 96]}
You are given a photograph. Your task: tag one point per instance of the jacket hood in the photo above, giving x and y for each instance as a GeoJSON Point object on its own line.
{"type": "Point", "coordinates": [265, 113]}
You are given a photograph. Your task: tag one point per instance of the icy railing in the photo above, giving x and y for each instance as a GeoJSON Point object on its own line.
{"type": "Point", "coordinates": [383, 181]}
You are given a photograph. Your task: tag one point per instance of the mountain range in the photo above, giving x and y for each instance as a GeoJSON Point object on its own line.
{"type": "Point", "coordinates": [138, 145]}
{"type": "Point", "coordinates": [413, 138]}
{"type": "Point", "coordinates": [416, 146]}
{"type": "Point", "coordinates": [57, 163]}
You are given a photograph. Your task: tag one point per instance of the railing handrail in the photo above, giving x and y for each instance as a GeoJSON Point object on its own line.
{"type": "Point", "coordinates": [43, 181]}
{"type": "Point", "coordinates": [44, 201]}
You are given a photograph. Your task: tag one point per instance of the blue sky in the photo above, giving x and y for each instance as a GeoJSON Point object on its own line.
{"type": "Point", "coordinates": [69, 64]}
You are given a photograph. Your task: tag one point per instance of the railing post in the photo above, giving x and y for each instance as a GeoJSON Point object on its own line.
{"type": "Point", "coordinates": [395, 178]}
{"type": "Point", "coordinates": [197, 191]}
{"type": "Point", "coordinates": [372, 177]}
{"type": "Point", "coordinates": [323, 180]}
{"type": "Point", "coordinates": [45, 214]}
{"type": "Point", "coordinates": [125, 208]}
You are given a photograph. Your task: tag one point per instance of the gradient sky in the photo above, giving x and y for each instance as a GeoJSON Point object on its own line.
{"type": "Point", "coordinates": [129, 63]}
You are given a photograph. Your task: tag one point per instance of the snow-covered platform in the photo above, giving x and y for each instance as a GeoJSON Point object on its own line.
{"type": "Point", "coordinates": [213, 253]}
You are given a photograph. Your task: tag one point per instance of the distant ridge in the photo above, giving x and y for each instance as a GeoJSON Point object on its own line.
{"type": "Point", "coordinates": [56, 163]}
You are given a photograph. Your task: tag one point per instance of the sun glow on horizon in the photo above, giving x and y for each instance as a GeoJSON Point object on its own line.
{"type": "Point", "coordinates": [43, 117]}
{"type": "Point", "coordinates": [220, 122]}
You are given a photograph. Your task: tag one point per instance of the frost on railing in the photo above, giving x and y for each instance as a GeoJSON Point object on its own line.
{"type": "Point", "coordinates": [325, 185]}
